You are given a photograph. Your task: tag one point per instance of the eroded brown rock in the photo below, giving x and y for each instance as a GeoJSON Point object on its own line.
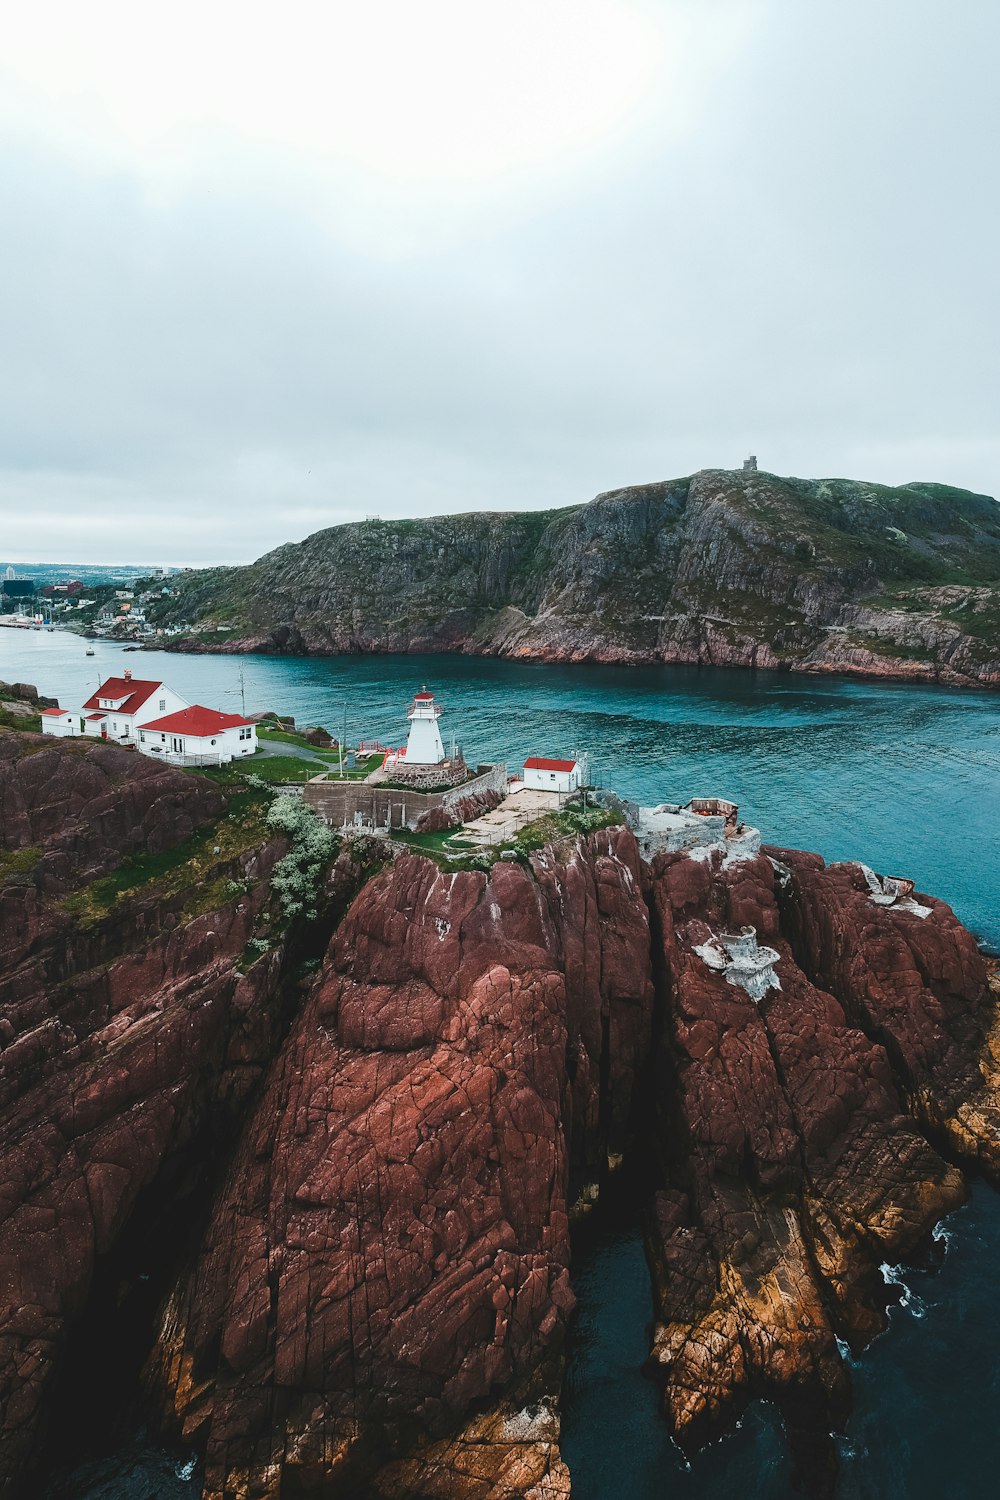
{"type": "Point", "coordinates": [379, 1300]}
{"type": "Point", "coordinates": [793, 1169]}
{"type": "Point", "coordinates": [393, 1243]}
{"type": "Point", "coordinates": [118, 1041]}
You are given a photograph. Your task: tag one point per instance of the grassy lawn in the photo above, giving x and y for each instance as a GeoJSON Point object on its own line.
{"type": "Point", "coordinates": [289, 737]}
{"type": "Point", "coordinates": [270, 768]}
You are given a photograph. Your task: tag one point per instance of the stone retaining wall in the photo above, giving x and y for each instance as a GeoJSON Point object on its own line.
{"type": "Point", "coordinates": [341, 802]}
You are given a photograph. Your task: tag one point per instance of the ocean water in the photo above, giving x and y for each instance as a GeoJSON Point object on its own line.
{"type": "Point", "coordinates": [906, 778]}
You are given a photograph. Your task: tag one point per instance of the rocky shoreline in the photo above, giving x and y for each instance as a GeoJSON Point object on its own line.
{"type": "Point", "coordinates": [719, 569]}
{"type": "Point", "coordinates": [835, 659]}
{"type": "Point", "coordinates": [390, 1111]}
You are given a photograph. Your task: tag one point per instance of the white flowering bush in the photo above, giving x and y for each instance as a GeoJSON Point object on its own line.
{"type": "Point", "coordinates": [297, 878]}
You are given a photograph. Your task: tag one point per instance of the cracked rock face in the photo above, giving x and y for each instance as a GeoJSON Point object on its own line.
{"type": "Point", "coordinates": [393, 1242]}
{"type": "Point", "coordinates": [118, 1044]}
{"type": "Point", "coordinates": [377, 1299]}
{"type": "Point", "coordinates": [793, 1130]}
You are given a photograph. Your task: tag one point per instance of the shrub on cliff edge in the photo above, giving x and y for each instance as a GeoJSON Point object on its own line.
{"type": "Point", "coordinates": [298, 877]}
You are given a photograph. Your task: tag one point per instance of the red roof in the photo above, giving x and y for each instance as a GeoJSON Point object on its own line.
{"type": "Point", "coordinates": [422, 697]}
{"type": "Point", "coordinates": [132, 689]}
{"type": "Point", "coordinates": [199, 721]}
{"type": "Point", "coordinates": [539, 763]}
{"type": "Point", "coordinates": [55, 711]}
{"type": "Point", "coordinates": [102, 715]}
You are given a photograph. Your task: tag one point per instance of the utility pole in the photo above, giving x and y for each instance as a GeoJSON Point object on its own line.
{"type": "Point", "coordinates": [241, 692]}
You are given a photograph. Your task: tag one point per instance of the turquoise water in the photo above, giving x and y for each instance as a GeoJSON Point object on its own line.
{"type": "Point", "coordinates": [925, 1393]}
{"type": "Point", "coordinates": [905, 778]}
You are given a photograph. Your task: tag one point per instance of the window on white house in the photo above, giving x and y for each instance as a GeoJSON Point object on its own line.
{"type": "Point", "coordinates": [163, 704]}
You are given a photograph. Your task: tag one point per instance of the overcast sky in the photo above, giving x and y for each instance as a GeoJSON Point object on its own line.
{"type": "Point", "coordinates": [269, 267]}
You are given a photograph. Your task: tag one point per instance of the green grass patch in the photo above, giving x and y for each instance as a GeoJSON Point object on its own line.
{"type": "Point", "coordinates": [534, 836]}
{"type": "Point", "coordinates": [289, 737]}
{"type": "Point", "coordinates": [192, 865]}
{"type": "Point", "coordinates": [28, 723]}
{"type": "Point", "coordinates": [19, 861]}
{"type": "Point", "coordinates": [276, 768]}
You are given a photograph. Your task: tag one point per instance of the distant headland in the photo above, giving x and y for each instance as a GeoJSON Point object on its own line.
{"type": "Point", "coordinates": [727, 567]}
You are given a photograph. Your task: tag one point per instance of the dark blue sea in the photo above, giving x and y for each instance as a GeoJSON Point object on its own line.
{"type": "Point", "coordinates": [905, 778]}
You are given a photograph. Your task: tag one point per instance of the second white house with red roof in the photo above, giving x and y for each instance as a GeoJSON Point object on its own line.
{"type": "Point", "coordinates": [122, 704]}
{"type": "Point", "coordinates": [544, 774]}
{"type": "Point", "coordinates": [199, 735]}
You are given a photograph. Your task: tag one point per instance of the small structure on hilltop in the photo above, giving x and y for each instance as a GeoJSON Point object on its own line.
{"type": "Point", "coordinates": [198, 736]}
{"type": "Point", "coordinates": [750, 464]}
{"type": "Point", "coordinates": [60, 722]}
{"type": "Point", "coordinates": [544, 774]}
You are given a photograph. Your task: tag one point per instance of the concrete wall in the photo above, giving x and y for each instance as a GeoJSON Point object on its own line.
{"type": "Point", "coordinates": [340, 802]}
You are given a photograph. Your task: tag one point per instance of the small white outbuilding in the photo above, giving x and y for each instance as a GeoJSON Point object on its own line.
{"type": "Point", "coordinates": [546, 775]}
{"type": "Point", "coordinates": [60, 722]}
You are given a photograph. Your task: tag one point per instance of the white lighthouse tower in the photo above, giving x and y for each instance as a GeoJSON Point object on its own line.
{"type": "Point", "coordinates": [423, 746]}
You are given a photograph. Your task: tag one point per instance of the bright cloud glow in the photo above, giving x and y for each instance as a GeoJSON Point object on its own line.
{"type": "Point", "coordinates": [268, 267]}
{"type": "Point", "coordinates": [413, 90]}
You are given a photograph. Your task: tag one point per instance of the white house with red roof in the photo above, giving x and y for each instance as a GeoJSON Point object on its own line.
{"type": "Point", "coordinates": [60, 722]}
{"type": "Point", "coordinates": [122, 704]}
{"type": "Point", "coordinates": [544, 774]}
{"type": "Point", "coordinates": [197, 735]}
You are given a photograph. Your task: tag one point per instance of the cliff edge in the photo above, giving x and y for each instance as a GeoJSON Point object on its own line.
{"type": "Point", "coordinates": [724, 568]}
{"type": "Point", "coordinates": [358, 1143]}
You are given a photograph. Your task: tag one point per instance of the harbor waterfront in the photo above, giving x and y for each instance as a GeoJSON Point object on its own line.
{"type": "Point", "coordinates": [905, 778]}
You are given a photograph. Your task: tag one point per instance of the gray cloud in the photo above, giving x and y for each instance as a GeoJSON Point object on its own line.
{"type": "Point", "coordinates": [264, 346]}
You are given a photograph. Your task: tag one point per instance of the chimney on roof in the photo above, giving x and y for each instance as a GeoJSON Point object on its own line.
{"type": "Point", "coordinates": [127, 674]}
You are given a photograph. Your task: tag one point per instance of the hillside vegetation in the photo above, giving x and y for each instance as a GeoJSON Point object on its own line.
{"type": "Point", "coordinates": [723, 567]}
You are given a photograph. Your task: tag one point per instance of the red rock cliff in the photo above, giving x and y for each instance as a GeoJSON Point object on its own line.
{"type": "Point", "coordinates": [378, 1302]}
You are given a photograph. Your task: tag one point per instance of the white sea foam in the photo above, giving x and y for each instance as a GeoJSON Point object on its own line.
{"type": "Point", "coordinates": [942, 1236]}
{"type": "Point", "coordinates": [892, 1276]}
{"type": "Point", "coordinates": [186, 1469]}
{"type": "Point", "coordinates": [844, 1350]}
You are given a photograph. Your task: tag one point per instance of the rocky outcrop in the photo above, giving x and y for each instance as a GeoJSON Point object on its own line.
{"type": "Point", "coordinates": [392, 1245]}
{"type": "Point", "coordinates": [132, 1026]}
{"type": "Point", "coordinates": [393, 1150]}
{"type": "Point", "coordinates": [724, 568]}
{"type": "Point", "coordinates": [791, 1132]}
